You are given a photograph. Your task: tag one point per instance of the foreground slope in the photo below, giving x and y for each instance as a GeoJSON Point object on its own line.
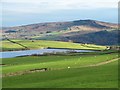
{"type": "Point", "coordinates": [77, 76]}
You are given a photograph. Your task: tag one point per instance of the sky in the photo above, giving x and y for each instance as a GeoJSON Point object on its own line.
{"type": "Point", "coordinates": [23, 12]}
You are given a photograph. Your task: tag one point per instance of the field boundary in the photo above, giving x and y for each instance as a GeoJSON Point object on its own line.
{"type": "Point", "coordinates": [18, 43]}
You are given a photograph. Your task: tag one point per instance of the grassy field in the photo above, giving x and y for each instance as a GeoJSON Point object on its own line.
{"type": "Point", "coordinates": [62, 70]}
{"type": "Point", "coordinates": [6, 45]}
{"type": "Point", "coordinates": [79, 74]}
{"type": "Point", "coordinates": [94, 77]}
{"type": "Point", "coordinates": [38, 44]}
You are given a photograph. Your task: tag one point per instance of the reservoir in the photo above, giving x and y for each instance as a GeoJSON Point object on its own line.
{"type": "Point", "coordinates": [11, 54]}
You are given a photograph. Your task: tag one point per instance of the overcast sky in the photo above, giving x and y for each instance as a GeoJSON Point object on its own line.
{"type": "Point", "coordinates": [21, 12]}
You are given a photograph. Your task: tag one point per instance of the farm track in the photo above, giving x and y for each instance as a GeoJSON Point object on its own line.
{"type": "Point", "coordinates": [43, 70]}
{"type": "Point", "coordinates": [102, 63]}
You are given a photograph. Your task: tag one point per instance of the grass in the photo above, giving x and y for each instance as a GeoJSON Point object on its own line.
{"type": "Point", "coordinates": [38, 44]}
{"type": "Point", "coordinates": [6, 45]}
{"type": "Point", "coordinates": [49, 36]}
{"type": "Point", "coordinates": [58, 74]}
{"type": "Point", "coordinates": [53, 62]}
{"type": "Point", "coordinates": [105, 76]}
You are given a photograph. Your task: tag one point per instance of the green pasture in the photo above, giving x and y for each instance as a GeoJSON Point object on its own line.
{"type": "Point", "coordinates": [38, 44]}
{"type": "Point", "coordinates": [6, 46]}
{"type": "Point", "coordinates": [53, 62]}
{"type": "Point", "coordinates": [105, 76]}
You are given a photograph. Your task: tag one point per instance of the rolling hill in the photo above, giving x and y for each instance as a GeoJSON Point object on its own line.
{"type": "Point", "coordinates": [80, 31]}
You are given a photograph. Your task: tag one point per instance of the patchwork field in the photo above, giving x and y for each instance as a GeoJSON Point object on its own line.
{"type": "Point", "coordinates": [38, 44]}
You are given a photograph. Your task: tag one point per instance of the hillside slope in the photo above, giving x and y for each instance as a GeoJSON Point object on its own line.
{"type": "Point", "coordinates": [100, 37]}
{"type": "Point", "coordinates": [80, 31]}
{"type": "Point", "coordinates": [93, 24]}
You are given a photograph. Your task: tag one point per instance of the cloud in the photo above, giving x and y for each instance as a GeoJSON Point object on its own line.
{"type": "Point", "coordinates": [46, 6]}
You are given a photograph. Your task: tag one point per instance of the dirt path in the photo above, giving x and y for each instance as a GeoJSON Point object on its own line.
{"type": "Point", "coordinates": [43, 69]}
{"type": "Point", "coordinates": [102, 63]}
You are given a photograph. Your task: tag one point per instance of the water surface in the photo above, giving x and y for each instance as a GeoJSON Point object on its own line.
{"type": "Point", "coordinates": [11, 54]}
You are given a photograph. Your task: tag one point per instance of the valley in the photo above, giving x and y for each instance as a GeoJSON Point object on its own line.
{"type": "Point", "coordinates": [94, 66]}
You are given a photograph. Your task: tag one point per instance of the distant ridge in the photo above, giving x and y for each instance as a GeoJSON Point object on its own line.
{"type": "Point", "coordinates": [78, 31]}
{"type": "Point", "coordinates": [51, 26]}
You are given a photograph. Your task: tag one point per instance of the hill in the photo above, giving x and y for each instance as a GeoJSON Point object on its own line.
{"type": "Point", "coordinates": [79, 31]}
{"type": "Point", "coordinates": [79, 24]}
{"type": "Point", "coordinates": [101, 37]}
